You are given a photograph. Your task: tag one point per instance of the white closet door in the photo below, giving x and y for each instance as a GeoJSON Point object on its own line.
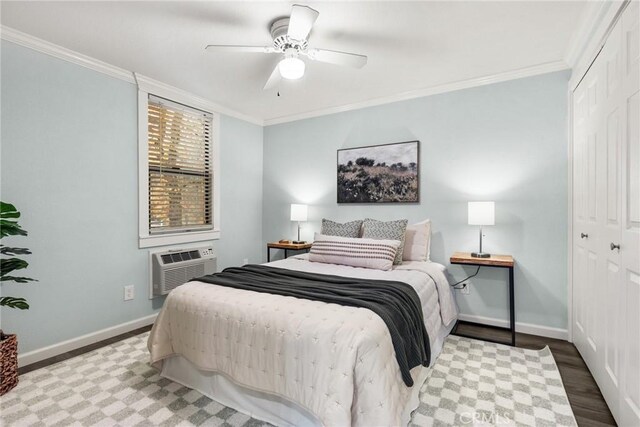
{"type": "Point", "coordinates": [606, 204]}
{"type": "Point", "coordinates": [580, 226]}
{"type": "Point", "coordinates": [588, 104]}
{"type": "Point", "coordinates": [608, 372]}
{"type": "Point", "coordinates": [629, 239]}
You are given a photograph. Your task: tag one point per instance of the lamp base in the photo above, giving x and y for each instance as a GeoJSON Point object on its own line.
{"type": "Point", "coordinates": [480, 255]}
{"type": "Point", "coordinates": [298, 242]}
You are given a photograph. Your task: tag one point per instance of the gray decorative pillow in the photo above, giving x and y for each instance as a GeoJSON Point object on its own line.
{"type": "Point", "coordinates": [348, 229]}
{"type": "Point", "coordinates": [389, 230]}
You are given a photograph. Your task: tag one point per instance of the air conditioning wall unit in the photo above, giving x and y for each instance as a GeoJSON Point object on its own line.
{"type": "Point", "coordinates": [175, 267]}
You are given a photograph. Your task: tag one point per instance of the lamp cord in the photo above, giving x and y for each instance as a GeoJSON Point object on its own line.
{"type": "Point", "coordinates": [465, 279]}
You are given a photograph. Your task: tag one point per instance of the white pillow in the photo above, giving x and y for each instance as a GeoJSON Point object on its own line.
{"type": "Point", "coordinates": [417, 242]}
{"type": "Point", "coordinates": [357, 252]}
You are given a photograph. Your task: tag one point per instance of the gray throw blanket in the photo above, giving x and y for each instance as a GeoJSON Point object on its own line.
{"type": "Point", "coordinates": [397, 303]}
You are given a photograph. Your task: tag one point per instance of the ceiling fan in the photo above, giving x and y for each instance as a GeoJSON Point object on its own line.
{"type": "Point", "coordinates": [290, 40]}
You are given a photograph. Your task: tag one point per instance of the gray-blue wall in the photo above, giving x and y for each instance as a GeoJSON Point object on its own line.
{"type": "Point", "coordinates": [504, 142]}
{"type": "Point", "coordinates": [69, 163]}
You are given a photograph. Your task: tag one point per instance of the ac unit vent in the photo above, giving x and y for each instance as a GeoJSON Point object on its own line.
{"type": "Point", "coordinates": [173, 268]}
{"type": "Point", "coordinates": [178, 276]}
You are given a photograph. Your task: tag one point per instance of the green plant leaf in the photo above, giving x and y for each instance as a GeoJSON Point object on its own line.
{"type": "Point", "coordinates": [7, 210]}
{"type": "Point", "coordinates": [10, 228]}
{"type": "Point", "coordinates": [17, 279]}
{"type": "Point", "coordinates": [11, 264]}
{"type": "Point", "coordinates": [11, 302]}
{"type": "Point", "coordinates": [5, 250]}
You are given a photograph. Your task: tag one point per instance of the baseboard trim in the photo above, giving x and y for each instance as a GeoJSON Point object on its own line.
{"type": "Point", "coordinates": [525, 328]}
{"type": "Point", "coordinates": [103, 334]}
{"type": "Point", "coordinates": [84, 340]}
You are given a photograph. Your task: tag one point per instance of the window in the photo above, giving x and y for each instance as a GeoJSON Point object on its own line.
{"type": "Point", "coordinates": [178, 162]}
{"type": "Point", "coordinates": [180, 174]}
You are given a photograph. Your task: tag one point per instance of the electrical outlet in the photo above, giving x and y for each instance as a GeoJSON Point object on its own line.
{"type": "Point", "coordinates": [465, 289]}
{"type": "Point", "coordinates": [129, 293]}
{"type": "Point", "coordinates": [245, 261]}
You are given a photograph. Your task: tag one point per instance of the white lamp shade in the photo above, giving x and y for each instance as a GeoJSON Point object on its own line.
{"type": "Point", "coordinates": [482, 213]}
{"type": "Point", "coordinates": [298, 212]}
{"type": "Point", "coordinates": [291, 68]}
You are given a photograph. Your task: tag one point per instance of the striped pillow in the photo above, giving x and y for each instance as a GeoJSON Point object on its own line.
{"type": "Point", "coordinates": [356, 252]}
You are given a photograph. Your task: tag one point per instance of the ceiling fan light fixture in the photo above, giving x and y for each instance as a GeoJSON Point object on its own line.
{"type": "Point", "coordinates": [291, 68]}
{"type": "Point", "coordinates": [290, 41]}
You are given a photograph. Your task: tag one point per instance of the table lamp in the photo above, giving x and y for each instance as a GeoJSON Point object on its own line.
{"type": "Point", "coordinates": [298, 213]}
{"type": "Point", "coordinates": [481, 213]}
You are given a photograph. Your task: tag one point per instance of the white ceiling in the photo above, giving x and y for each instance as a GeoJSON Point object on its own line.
{"type": "Point", "coordinates": [410, 45]}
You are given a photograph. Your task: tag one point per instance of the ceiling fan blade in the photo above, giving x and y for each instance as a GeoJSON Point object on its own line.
{"type": "Point", "coordinates": [338, 58]}
{"type": "Point", "coordinates": [245, 49]}
{"type": "Point", "coordinates": [274, 79]}
{"type": "Point", "coordinates": [301, 20]}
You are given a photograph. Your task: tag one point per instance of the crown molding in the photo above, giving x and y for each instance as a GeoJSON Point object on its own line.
{"type": "Point", "coordinates": [434, 90]}
{"type": "Point", "coordinates": [596, 23]}
{"type": "Point", "coordinates": [589, 20]}
{"type": "Point", "coordinates": [31, 42]}
{"type": "Point", "coordinates": [149, 85]}
{"type": "Point", "coordinates": [43, 46]}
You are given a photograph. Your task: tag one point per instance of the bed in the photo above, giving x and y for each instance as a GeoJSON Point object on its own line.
{"type": "Point", "coordinates": [291, 361]}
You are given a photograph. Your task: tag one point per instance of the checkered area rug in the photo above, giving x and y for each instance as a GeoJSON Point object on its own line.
{"type": "Point", "coordinates": [480, 383]}
{"type": "Point", "coordinates": [472, 383]}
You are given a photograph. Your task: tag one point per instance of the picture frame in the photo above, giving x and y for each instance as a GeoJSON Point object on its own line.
{"type": "Point", "coordinates": [386, 173]}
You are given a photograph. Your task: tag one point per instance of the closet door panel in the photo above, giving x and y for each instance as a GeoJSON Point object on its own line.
{"type": "Point", "coordinates": [630, 390]}
{"type": "Point", "coordinates": [586, 105]}
{"type": "Point", "coordinates": [613, 169]}
{"type": "Point", "coordinates": [629, 409]}
{"type": "Point", "coordinates": [606, 265]}
{"type": "Point", "coordinates": [631, 63]}
{"type": "Point", "coordinates": [632, 200]}
{"type": "Point", "coordinates": [579, 169]}
{"type": "Point", "coordinates": [608, 374]}
{"type": "Point", "coordinates": [631, 40]}
{"type": "Point", "coordinates": [592, 307]}
{"type": "Point", "coordinates": [614, 327]}
{"type": "Point", "coordinates": [579, 212]}
{"type": "Point", "coordinates": [580, 320]}
{"type": "Point", "coordinates": [596, 302]}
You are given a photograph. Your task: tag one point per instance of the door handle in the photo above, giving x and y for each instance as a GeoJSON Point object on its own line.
{"type": "Point", "coordinates": [613, 246]}
{"type": "Point", "coordinates": [583, 236]}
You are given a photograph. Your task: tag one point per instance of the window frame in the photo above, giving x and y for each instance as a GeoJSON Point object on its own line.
{"type": "Point", "coordinates": [146, 87]}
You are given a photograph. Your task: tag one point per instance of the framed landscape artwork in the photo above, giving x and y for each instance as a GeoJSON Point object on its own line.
{"type": "Point", "coordinates": [379, 173]}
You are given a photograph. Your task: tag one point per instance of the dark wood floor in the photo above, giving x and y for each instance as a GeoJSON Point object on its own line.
{"type": "Point", "coordinates": [587, 402]}
{"type": "Point", "coordinates": [584, 395]}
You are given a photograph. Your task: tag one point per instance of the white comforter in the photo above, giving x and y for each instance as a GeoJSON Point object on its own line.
{"type": "Point", "coordinates": [335, 361]}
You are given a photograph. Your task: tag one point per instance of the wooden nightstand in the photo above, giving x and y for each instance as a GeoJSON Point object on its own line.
{"type": "Point", "coordinates": [287, 247]}
{"type": "Point", "coordinates": [498, 261]}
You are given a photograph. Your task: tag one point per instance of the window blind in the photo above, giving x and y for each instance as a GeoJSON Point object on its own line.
{"type": "Point", "coordinates": [180, 175]}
